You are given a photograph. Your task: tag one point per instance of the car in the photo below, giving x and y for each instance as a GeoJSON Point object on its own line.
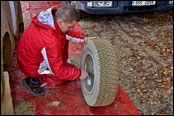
{"type": "Point", "coordinates": [121, 7]}
{"type": "Point", "coordinates": [11, 25]}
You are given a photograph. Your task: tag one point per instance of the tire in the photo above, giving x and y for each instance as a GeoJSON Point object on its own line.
{"type": "Point", "coordinates": [99, 60]}
{"type": "Point", "coordinates": [71, 3]}
{"type": "Point", "coordinates": [81, 13]}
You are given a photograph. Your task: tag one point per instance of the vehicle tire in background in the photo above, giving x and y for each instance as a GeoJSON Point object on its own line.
{"type": "Point", "coordinates": [100, 61]}
{"type": "Point", "coordinates": [82, 13]}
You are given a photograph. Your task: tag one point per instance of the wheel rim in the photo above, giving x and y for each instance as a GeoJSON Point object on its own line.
{"type": "Point", "coordinates": [89, 67]}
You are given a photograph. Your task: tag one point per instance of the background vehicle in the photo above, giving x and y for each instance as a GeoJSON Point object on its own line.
{"type": "Point", "coordinates": [11, 26]}
{"type": "Point", "coordinates": [120, 7]}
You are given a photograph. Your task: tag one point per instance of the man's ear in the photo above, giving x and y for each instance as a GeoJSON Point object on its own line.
{"type": "Point", "coordinates": [60, 21]}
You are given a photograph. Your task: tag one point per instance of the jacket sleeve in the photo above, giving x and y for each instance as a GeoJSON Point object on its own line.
{"type": "Point", "coordinates": [58, 68]}
{"type": "Point", "coordinates": [65, 52]}
{"type": "Point", "coordinates": [76, 35]}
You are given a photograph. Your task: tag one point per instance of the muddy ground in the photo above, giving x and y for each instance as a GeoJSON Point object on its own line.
{"type": "Point", "coordinates": [144, 46]}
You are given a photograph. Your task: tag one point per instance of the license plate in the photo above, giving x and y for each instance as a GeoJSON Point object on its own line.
{"type": "Point", "coordinates": [143, 3]}
{"type": "Point", "coordinates": [170, 2]}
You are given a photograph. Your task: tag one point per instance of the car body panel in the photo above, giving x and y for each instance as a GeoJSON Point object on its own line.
{"type": "Point", "coordinates": [121, 7]}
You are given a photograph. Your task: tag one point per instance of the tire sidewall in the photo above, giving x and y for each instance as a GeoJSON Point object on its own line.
{"type": "Point", "coordinates": [91, 97]}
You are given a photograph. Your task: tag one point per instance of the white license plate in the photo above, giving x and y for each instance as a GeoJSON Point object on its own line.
{"type": "Point", "coordinates": [170, 2]}
{"type": "Point", "coordinates": [143, 3]}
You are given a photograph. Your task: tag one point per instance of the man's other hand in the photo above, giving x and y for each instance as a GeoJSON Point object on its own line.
{"type": "Point", "coordinates": [83, 75]}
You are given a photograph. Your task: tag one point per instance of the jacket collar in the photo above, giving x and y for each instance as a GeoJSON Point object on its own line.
{"type": "Point", "coordinates": [60, 34]}
{"type": "Point", "coordinates": [45, 19]}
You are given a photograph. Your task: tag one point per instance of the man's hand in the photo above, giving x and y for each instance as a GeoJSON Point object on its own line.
{"type": "Point", "coordinates": [83, 75]}
{"type": "Point", "coordinates": [88, 38]}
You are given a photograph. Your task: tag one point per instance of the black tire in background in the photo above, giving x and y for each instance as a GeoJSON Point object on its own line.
{"type": "Point", "coordinates": [100, 61]}
{"type": "Point", "coordinates": [81, 13]}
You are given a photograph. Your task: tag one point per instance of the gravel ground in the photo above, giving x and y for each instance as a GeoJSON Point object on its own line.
{"type": "Point", "coordinates": [144, 45]}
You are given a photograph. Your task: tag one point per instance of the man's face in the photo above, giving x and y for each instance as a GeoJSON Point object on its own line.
{"type": "Point", "coordinates": [64, 26]}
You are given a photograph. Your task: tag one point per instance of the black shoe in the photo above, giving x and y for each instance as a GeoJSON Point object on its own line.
{"type": "Point", "coordinates": [34, 85]}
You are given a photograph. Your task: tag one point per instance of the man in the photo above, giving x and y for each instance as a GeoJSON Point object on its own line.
{"type": "Point", "coordinates": [43, 49]}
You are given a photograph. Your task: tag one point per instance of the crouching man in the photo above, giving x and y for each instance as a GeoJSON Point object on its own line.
{"type": "Point", "coordinates": [42, 51]}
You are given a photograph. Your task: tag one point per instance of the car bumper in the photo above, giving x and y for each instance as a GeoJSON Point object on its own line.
{"type": "Point", "coordinates": [122, 7]}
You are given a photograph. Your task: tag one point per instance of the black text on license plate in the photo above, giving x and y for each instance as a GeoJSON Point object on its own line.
{"type": "Point", "coordinates": [143, 3]}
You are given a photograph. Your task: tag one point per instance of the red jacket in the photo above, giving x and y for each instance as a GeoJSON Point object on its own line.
{"type": "Point", "coordinates": [43, 49]}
